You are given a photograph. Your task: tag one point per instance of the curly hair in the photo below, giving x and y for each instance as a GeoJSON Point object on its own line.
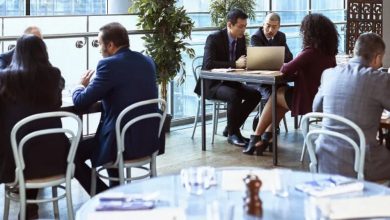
{"type": "Point", "coordinates": [319, 32]}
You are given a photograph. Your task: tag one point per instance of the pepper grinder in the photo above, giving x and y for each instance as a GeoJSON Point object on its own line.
{"type": "Point", "coordinates": [252, 202]}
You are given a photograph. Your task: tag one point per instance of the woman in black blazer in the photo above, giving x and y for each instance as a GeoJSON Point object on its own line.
{"type": "Point", "coordinates": [28, 86]}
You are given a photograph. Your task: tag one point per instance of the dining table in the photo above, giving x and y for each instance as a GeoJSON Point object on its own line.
{"type": "Point", "coordinates": [224, 197]}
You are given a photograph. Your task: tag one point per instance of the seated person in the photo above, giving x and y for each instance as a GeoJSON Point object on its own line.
{"type": "Point", "coordinates": [224, 49]}
{"type": "Point", "coordinates": [269, 35]}
{"type": "Point", "coordinates": [359, 92]}
{"type": "Point", "coordinates": [320, 42]}
{"type": "Point", "coordinates": [31, 85]}
{"type": "Point", "coordinates": [5, 58]}
{"type": "Point", "coordinates": [120, 76]}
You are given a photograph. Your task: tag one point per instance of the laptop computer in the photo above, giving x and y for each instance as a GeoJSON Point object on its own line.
{"type": "Point", "coordinates": [265, 58]}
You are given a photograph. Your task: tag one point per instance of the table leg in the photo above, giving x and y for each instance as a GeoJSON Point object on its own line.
{"type": "Point", "coordinates": [296, 126]}
{"type": "Point", "coordinates": [274, 125]}
{"type": "Point", "coordinates": [203, 103]}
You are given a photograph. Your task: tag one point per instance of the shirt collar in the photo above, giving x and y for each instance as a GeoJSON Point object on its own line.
{"type": "Point", "coordinates": [358, 60]}
{"type": "Point", "coordinates": [231, 38]}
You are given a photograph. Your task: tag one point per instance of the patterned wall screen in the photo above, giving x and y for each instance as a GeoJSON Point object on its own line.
{"type": "Point", "coordinates": [363, 16]}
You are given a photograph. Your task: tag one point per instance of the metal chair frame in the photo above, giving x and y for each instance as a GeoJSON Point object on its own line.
{"type": "Point", "coordinates": [138, 163]}
{"type": "Point", "coordinates": [217, 105]}
{"type": "Point", "coordinates": [360, 149]}
{"type": "Point", "coordinates": [54, 181]}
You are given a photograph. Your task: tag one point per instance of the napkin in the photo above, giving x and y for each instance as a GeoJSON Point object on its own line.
{"type": "Point", "coordinates": [354, 208]}
{"type": "Point", "coordinates": [153, 214]}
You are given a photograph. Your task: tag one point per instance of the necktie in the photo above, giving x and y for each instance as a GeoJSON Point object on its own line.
{"type": "Point", "coordinates": [270, 42]}
{"type": "Point", "coordinates": [233, 51]}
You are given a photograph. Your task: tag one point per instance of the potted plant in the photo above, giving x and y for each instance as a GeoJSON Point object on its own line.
{"type": "Point", "coordinates": [170, 26]}
{"type": "Point", "coordinates": [220, 8]}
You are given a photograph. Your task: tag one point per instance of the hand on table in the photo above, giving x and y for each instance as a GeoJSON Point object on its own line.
{"type": "Point", "coordinates": [241, 62]}
{"type": "Point", "coordinates": [86, 77]}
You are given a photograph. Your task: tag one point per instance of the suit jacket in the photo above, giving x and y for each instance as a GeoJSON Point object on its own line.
{"type": "Point", "coordinates": [45, 155]}
{"type": "Point", "coordinates": [121, 80]}
{"type": "Point", "coordinates": [358, 93]}
{"type": "Point", "coordinates": [306, 70]}
{"type": "Point", "coordinates": [259, 39]}
{"type": "Point", "coordinates": [216, 55]}
{"type": "Point", "coordinates": [6, 58]}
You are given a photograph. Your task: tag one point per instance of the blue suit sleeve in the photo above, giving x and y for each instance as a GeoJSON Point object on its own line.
{"type": "Point", "coordinates": [96, 90]}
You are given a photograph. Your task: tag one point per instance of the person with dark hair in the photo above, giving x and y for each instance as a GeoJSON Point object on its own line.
{"type": "Point", "coordinates": [269, 35]}
{"type": "Point", "coordinates": [227, 49]}
{"type": "Point", "coordinates": [359, 92]}
{"type": "Point", "coordinates": [5, 58]}
{"type": "Point", "coordinates": [120, 75]}
{"type": "Point", "coordinates": [320, 43]}
{"type": "Point", "coordinates": [31, 85]}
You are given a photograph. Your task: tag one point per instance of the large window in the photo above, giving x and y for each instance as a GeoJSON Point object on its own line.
{"type": "Point", "coordinates": [292, 13]}
{"type": "Point", "coordinates": [183, 101]}
{"type": "Point", "coordinates": [53, 7]}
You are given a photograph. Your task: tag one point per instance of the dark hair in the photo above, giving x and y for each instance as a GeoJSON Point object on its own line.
{"type": "Point", "coordinates": [30, 62]}
{"type": "Point", "coordinates": [235, 14]}
{"type": "Point", "coordinates": [368, 45]}
{"type": "Point", "coordinates": [116, 33]}
{"type": "Point", "coordinates": [319, 32]}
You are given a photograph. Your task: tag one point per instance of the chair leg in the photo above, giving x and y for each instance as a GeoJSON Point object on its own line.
{"type": "Point", "coordinates": [93, 182]}
{"type": "Point", "coordinates": [303, 151]}
{"type": "Point", "coordinates": [22, 201]}
{"type": "Point", "coordinates": [285, 123]}
{"type": "Point", "coordinates": [217, 117]}
{"type": "Point", "coordinates": [69, 203]}
{"type": "Point", "coordinates": [153, 166]}
{"type": "Point", "coordinates": [128, 175]}
{"type": "Point", "coordinates": [196, 119]}
{"type": "Point", "coordinates": [6, 203]}
{"type": "Point", "coordinates": [214, 121]}
{"type": "Point", "coordinates": [121, 171]}
{"type": "Point", "coordinates": [300, 119]}
{"type": "Point", "coordinates": [54, 193]}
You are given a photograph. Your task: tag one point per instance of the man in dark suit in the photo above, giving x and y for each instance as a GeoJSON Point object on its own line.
{"type": "Point", "coordinates": [226, 49]}
{"type": "Point", "coordinates": [6, 58]}
{"type": "Point", "coordinates": [269, 35]}
{"type": "Point", "coordinates": [120, 76]}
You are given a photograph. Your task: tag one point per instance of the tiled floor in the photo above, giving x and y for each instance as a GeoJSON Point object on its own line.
{"type": "Point", "coordinates": [182, 151]}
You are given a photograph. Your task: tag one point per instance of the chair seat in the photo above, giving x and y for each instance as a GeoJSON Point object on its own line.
{"type": "Point", "coordinates": [141, 161]}
{"type": "Point", "coordinates": [48, 181]}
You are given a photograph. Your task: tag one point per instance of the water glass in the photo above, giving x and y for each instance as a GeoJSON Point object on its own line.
{"type": "Point", "coordinates": [281, 178]}
{"type": "Point", "coordinates": [196, 179]}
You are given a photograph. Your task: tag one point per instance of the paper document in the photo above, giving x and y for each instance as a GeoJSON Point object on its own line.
{"type": "Point", "coordinates": [355, 208]}
{"type": "Point", "coordinates": [330, 186]}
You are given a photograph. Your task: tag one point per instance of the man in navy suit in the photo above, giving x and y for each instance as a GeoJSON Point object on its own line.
{"type": "Point", "coordinates": [123, 77]}
{"type": "Point", "coordinates": [227, 49]}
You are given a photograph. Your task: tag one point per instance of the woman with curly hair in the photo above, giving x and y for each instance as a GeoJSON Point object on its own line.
{"type": "Point", "coordinates": [320, 43]}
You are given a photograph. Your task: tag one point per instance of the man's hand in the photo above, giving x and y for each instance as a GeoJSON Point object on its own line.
{"type": "Point", "coordinates": [86, 77]}
{"type": "Point", "coordinates": [241, 62]}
